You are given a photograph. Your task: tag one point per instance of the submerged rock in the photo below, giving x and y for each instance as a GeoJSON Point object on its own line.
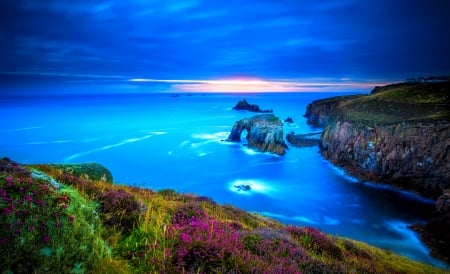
{"type": "Point", "coordinates": [242, 187]}
{"type": "Point", "coordinates": [244, 105]}
{"type": "Point", "coordinates": [264, 132]}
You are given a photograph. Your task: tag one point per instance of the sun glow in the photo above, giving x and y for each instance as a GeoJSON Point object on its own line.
{"type": "Point", "coordinates": [252, 85]}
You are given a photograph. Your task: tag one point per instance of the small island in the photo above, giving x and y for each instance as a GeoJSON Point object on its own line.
{"type": "Point", "coordinates": [244, 105]}
{"type": "Point", "coordinates": [264, 133]}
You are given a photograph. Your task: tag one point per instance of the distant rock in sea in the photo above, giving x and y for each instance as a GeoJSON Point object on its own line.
{"type": "Point", "coordinates": [264, 132]}
{"type": "Point", "coordinates": [289, 120]}
{"type": "Point", "coordinates": [244, 105]}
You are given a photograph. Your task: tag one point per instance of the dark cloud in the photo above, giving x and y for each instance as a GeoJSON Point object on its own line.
{"type": "Point", "coordinates": [207, 39]}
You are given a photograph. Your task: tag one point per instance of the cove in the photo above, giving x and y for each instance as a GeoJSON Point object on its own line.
{"type": "Point", "coordinates": [159, 142]}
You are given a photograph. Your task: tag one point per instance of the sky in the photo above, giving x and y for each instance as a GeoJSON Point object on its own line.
{"type": "Point", "coordinates": [288, 45]}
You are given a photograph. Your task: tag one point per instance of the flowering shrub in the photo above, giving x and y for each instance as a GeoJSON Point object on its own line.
{"type": "Point", "coordinates": [315, 240]}
{"type": "Point", "coordinates": [187, 213]}
{"type": "Point", "coordinates": [38, 231]}
{"type": "Point", "coordinates": [82, 184]}
{"type": "Point", "coordinates": [204, 244]}
{"type": "Point", "coordinates": [119, 208]}
{"type": "Point", "coordinates": [276, 252]}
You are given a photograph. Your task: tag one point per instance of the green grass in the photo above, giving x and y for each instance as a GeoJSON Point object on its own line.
{"type": "Point", "coordinates": [393, 104]}
{"type": "Point", "coordinates": [168, 232]}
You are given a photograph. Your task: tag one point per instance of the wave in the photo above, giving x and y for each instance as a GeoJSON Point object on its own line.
{"type": "Point", "coordinates": [124, 142]}
{"type": "Point", "coordinates": [20, 129]}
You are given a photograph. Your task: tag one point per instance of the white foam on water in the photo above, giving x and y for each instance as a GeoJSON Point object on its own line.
{"type": "Point", "coordinates": [124, 142]}
{"type": "Point", "coordinates": [331, 221]}
{"type": "Point", "coordinates": [184, 143]}
{"type": "Point", "coordinates": [157, 132]}
{"type": "Point", "coordinates": [50, 142]}
{"type": "Point", "coordinates": [408, 237]}
{"type": "Point", "coordinates": [20, 129]}
{"type": "Point", "coordinates": [289, 218]}
{"type": "Point", "coordinates": [404, 193]}
{"type": "Point", "coordinates": [253, 152]}
{"type": "Point", "coordinates": [304, 220]}
{"type": "Point", "coordinates": [255, 186]}
{"type": "Point", "coordinates": [342, 172]}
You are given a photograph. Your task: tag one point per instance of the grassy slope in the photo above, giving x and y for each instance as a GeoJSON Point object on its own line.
{"type": "Point", "coordinates": [106, 228]}
{"type": "Point", "coordinates": [392, 104]}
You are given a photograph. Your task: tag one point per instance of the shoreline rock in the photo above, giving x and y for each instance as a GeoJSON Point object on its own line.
{"type": "Point", "coordinates": [264, 133]}
{"type": "Point", "coordinates": [398, 135]}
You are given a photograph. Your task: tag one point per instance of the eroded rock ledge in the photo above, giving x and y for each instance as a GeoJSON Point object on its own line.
{"type": "Point", "coordinates": [399, 134]}
{"type": "Point", "coordinates": [264, 133]}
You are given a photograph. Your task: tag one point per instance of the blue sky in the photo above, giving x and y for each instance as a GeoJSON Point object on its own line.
{"type": "Point", "coordinates": [346, 41]}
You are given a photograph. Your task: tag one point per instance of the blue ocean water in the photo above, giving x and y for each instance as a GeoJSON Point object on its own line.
{"type": "Point", "coordinates": [159, 141]}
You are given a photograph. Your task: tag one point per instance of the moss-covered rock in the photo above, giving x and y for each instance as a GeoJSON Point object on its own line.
{"type": "Point", "coordinates": [91, 171]}
{"type": "Point", "coordinates": [264, 133]}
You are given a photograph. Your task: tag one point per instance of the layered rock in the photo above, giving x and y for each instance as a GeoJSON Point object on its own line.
{"type": "Point", "coordinates": [412, 156]}
{"type": "Point", "coordinates": [244, 105]}
{"type": "Point", "coordinates": [399, 134]}
{"type": "Point", "coordinates": [264, 133]}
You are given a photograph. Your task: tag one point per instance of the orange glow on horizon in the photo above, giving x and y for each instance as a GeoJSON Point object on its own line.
{"type": "Point", "coordinates": [254, 85]}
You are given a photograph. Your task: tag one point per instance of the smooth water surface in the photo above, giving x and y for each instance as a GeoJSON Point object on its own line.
{"type": "Point", "coordinates": [158, 141]}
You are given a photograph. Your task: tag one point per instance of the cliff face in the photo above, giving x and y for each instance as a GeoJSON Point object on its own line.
{"type": "Point", "coordinates": [412, 156]}
{"type": "Point", "coordinates": [264, 132]}
{"type": "Point", "coordinates": [399, 134]}
{"type": "Point", "coordinates": [318, 112]}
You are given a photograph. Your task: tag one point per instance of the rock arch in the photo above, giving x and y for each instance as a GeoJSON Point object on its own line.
{"type": "Point", "coordinates": [264, 132]}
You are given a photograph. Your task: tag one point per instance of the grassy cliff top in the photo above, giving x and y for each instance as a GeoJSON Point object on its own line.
{"type": "Point", "coordinates": [82, 225]}
{"type": "Point", "coordinates": [392, 104]}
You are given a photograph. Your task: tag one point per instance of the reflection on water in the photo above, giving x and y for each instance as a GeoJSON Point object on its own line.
{"type": "Point", "coordinates": [158, 142]}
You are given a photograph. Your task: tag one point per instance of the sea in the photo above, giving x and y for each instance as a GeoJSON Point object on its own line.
{"type": "Point", "coordinates": [166, 141]}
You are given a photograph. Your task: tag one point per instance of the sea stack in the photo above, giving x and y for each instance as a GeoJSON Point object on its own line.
{"type": "Point", "coordinates": [264, 133]}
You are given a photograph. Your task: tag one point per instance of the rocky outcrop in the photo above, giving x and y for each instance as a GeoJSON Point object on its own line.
{"type": "Point", "coordinates": [244, 105]}
{"type": "Point", "coordinates": [93, 171]}
{"type": "Point", "coordinates": [399, 134]}
{"type": "Point", "coordinates": [412, 156]}
{"type": "Point", "coordinates": [264, 133]}
{"type": "Point", "coordinates": [318, 112]}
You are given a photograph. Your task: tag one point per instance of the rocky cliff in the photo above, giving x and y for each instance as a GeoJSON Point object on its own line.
{"type": "Point", "coordinates": [412, 156]}
{"type": "Point", "coordinates": [399, 134]}
{"type": "Point", "coordinates": [264, 133]}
